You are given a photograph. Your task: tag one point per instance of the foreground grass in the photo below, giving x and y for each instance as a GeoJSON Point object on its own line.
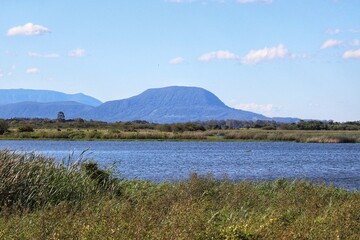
{"type": "Point", "coordinates": [305, 136]}
{"type": "Point", "coordinates": [44, 200]}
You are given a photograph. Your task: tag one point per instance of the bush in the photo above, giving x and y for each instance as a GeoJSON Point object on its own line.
{"type": "Point", "coordinates": [91, 169]}
{"type": "Point", "coordinates": [25, 128]}
{"type": "Point", "coordinates": [4, 126]}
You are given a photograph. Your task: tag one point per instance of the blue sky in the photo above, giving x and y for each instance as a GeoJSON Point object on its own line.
{"type": "Point", "coordinates": [298, 58]}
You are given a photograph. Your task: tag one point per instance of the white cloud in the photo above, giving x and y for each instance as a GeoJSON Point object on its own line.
{"type": "Point", "coordinates": [354, 30]}
{"type": "Point", "coordinates": [254, 1]}
{"type": "Point", "coordinates": [331, 43]}
{"type": "Point", "coordinates": [11, 70]}
{"type": "Point", "coordinates": [333, 31]}
{"type": "Point", "coordinates": [176, 60]}
{"type": "Point", "coordinates": [79, 52]}
{"type": "Point", "coordinates": [266, 109]}
{"type": "Point", "coordinates": [301, 56]}
{"type": "Point", "coordinates": [39, 55]}
{"type": "Point", "coordinates": [266, 54]}
{"type": "Point", "coordinates": [32, 70]}
{"type": "Point", "coordinates": [314, 105]}
{"type": "Point", "coordinates": [28, 29]}
{"type": "Point", "coordinates": [355, 42]}
{"type": "Point", "coordinates": [351, 54]}
{"type": "Point", "coordinates": [220, 55]}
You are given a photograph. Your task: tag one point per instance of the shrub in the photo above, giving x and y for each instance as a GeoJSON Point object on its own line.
{"type": "Point", "coordinates": [4, 126]}
{"type": "Point", "coordinates": [25, 128]}
{"type": "Point", "coordinates": [91, 169]}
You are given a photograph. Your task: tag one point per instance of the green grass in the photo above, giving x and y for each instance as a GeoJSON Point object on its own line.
{"type": "Point", "coordinates": [41, 199]}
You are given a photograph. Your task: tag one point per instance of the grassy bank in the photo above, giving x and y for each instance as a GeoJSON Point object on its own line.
{"type": "Point", "coordinates": [40, 199]}
{"type": "Point", "coordinates": [230, 130]}
{"type": "Point", "coordinates": [320, 136]}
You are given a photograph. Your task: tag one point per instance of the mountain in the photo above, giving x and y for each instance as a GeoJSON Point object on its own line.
{"type": "Point", "coordinates": [286, 119]}
{"type": "Point", "coordinates": [160, 105]}
{"type": "Point", "coordinates": [168, 105]}
{"type": "Point", "coordinates": [42, 110]}
{"type": "Point", "coordinates": [8, 96]}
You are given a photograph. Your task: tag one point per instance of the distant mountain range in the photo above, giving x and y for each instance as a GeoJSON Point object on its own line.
{"type": "Point", "coordinates": [8, 96]}
{"type": "Point", "coordinates": [161, 105]}
{"type": "Point", "coordinates": [43, 110]}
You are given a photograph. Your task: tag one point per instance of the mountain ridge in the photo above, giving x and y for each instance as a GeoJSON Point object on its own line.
{"type": "Point", "coordinates": [9, 96]}
{"type": "Point", "coordinates": [160, 105]}
{"type": "Point", "coordinates": [42, 110]}
{"type": "Point", "coordinates": [170, 104]}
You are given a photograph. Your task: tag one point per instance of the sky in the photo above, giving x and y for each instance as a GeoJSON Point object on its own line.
{"type": "Point", "coordinates": [298, 58]}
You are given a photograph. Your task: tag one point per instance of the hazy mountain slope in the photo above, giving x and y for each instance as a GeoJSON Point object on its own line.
{"type": "Point", "coordinates": [169, 104]}
{"type": "Point", "coordinates": [42, 110]}
{"type": "Point", "coordinates": [8, 96]}
{"type": "Point", "coordinates": [162, 105]}
{"type": "Point", "coordinates": [286, 119]}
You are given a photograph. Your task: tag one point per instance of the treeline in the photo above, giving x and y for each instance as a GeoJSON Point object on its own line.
{"type": "Point", "coordinates": [273, 125]}
{"type": "Point", "coordinates": [322, 125]}
{"type": "Point", "coordinates": [27, 125]}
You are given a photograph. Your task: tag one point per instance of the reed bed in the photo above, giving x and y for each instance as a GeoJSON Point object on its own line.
{"type": "Point", "coordinates": [30, 181]}
{"type": "Point", "coordinates": [42, 199]}
{"type": "Point", "coordinates": [321, 136]}
{"type": "Point", "coordinates": [294, 136]}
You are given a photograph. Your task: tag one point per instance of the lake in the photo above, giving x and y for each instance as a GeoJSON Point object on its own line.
{"type": "Point", "coordinates": [337, 164]}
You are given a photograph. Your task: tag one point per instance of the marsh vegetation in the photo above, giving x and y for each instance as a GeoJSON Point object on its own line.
{"type": "Point", "coordinates": [79, 129]}
{"type": "Point", "coordinates": [44, 199]}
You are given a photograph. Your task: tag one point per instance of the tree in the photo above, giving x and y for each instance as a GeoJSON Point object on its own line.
{"type": "Point", "coordinates": [61, 117]}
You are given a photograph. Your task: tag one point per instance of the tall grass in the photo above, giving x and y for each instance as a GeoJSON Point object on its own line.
{"type": "Point", "coordinates": [31, 181]}
{"type": "Point", "coordinates": [41, 199]}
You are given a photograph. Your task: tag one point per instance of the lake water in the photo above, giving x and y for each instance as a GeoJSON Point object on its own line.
{"type": "Point", "coordinates": [337, 164]}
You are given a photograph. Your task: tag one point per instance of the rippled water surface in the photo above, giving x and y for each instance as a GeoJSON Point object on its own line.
{"type": "Point", "coordinates": [159, 161]}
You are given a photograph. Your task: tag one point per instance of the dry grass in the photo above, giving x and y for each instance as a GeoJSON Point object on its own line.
{"type": "Point", "coordinates": [209, 135]}
{"type": "Point", "coordinates": [294, 136]}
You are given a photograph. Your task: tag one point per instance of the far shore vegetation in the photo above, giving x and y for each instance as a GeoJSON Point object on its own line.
{"type": "Point", "coordinates": [229, 130]}
{"type": "Point", "coordinates": [44, 199]}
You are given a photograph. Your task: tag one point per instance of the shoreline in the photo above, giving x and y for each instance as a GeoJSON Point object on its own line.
{"type": "Point", "coordinates": [242, 135]}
